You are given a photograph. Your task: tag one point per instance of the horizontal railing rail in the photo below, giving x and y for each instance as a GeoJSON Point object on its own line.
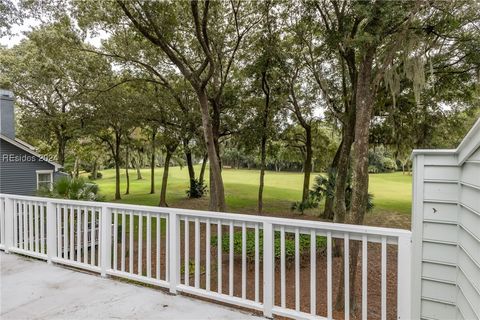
{"type": "Point", "coordinates": [277, 266]}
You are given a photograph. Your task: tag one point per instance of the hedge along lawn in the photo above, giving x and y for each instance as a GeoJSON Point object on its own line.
{"type": "Point", "coordinates": [392, 191]}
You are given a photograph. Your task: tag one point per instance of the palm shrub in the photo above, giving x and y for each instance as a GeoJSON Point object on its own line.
{"type": "Point", "coordinates": [197, 189]}
{"type": "Point", "coordinates": [74, 189]}
{"type": "Point", "coordinates": [324, 186]}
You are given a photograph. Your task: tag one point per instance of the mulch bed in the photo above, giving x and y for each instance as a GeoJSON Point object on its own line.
{"type": "Point", "coordinates": [374, 275]}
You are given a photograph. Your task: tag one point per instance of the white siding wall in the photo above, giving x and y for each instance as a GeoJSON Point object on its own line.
{"type": "Point", "coordinates": [446, 232]}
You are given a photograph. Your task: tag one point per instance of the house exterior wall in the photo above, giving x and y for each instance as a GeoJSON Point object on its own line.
{"type": "Point", "coordinates": [19, 177]}
{"type": "Point", "coordinates": [446, 232]}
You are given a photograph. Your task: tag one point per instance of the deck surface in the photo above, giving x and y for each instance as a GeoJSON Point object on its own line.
{"type": "Point", "coordinates": [32, 289]}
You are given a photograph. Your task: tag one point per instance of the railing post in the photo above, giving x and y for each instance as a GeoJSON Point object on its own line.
{"type": "Point", "coordinates": [173, 254]}
{"type": "Point", "coordinates": [404, 277]}
{"type": "Point", "coordinates": [9, 216]}
{"type": "Point", "coordinates": [51, 231]}
{"type": "Point", "coordinates": [268, 269]}
{"type": "Point", "coordinates": [106, 240]}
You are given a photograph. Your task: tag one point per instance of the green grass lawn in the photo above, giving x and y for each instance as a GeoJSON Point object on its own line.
{"type": "Point", "coordinates": [392, 191]}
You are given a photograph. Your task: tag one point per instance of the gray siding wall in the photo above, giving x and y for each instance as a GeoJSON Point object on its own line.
{"type": "Point", "coordinates": [19, 177]}
{"type": "Point", "coordinates": [446, 235]}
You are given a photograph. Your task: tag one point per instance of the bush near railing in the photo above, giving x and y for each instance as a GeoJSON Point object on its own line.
{"type": "Point", "coordinates": [289, 244]}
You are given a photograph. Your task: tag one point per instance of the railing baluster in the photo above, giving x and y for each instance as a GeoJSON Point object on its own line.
{"type": "Point", "coordinates": [26, 239]}
{"type": "Point", "coordinates": [59, 231]}
{"type": "Point", "coordinates": [384, 278]}
{"type": "Point", "coordinates": [124, 227]}
{"type": "Point", "coordinates": [25, 226]}
{"type": "Point", "coordinates": [230, 269]}
{"type": "Point", "coordinates": [65, 232]}
{"type": "Point", "coordinates": [219, 256]}
{"type": "Point", "coordinates": [172, 248]}
{"type": "Point", "coordinates": [85, 235]}
{"type": "Point", "coordinates": [37, 228]}
{"type": "Point", "coordinates": [244, 261]}
{"type": "Point", "coordinates": [329, 276]}
{"type": "Point", "coordinates": [187, 254]}
{"type": "Point", "coordinates": [105, 251]}
{"type": "Point", "coordinates": [297, 269]}
{"type": "Point", "coordinates": [115, 239]}
{"type": "Point", "coordinates": [346, 266]}
{"type": "Point", "coordinates": [25, 229]}
{"type": "Point", "coordinates": [158, 247]}
{"type": "Point", "coordinates": [268, 269]}
{"type": "Point", "coordinates": [282, 267]}
{"type": "Point", "coordinates": [140, 240]}
{"type": "Point", "coordinates": [16, 225]}
{"type": "Point", "coordinates": [313, 272]}
{"type": "Point", "coordinates": [18, 215]}
{"type": "Point", "coordinates": [92, 236]}
{"type": "Point", "coordinates": [79, 242]}
{"type": "Point", "coordinates": [30, 226]}
{"type": "Point", "coordinates": [72, 234]}
{"type": "Point", "coordinates": [364, 276]}
{"type": "Point", "coordinates": [197, 253]}
{"type": "Point", "coordinates": [404, 274]}
{"type": "Point", "coordinates": [149, 245]}
{"type": "Point", "coordinates": [170, 245]}
{"type": "Point", "coordinates": [207, 258]}
{"type": "Point", "coordinates": [257, 263]}
{"type": "Point", "coordinates": [131, 222]}
{"type": "Point", "coordinates": [51, 217]}
{"type": "Point", "coordinates": [42, 228]}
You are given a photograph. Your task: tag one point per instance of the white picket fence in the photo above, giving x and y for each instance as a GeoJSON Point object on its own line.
{"type": "Point", "coordinates": [154, 246]}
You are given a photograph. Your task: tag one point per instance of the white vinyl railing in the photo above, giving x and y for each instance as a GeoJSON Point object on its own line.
{"type": "Point", "coordinates": [277, 266]}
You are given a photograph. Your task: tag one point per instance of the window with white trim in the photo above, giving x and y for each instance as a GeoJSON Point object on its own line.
{"type": "Point", "coordinates": [44, 179]}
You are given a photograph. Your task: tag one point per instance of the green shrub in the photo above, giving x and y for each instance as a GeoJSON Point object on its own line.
{"type": "Point", "coordinates": [250, 245]}
{"type": "Point", "coordinates": [197, 189]}
{"type": "Point", "coordinates": [74, 189]}
{"type": "Point", "coordinates": [380, 160]}
{"type": "Point", "coordinates": [99, 176]}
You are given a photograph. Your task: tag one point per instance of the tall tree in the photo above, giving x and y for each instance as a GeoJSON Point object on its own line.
{"type": "Point", "coordinates": [50, 79]}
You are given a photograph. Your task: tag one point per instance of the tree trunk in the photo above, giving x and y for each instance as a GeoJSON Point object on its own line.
{"type": "Point", "coordinates": [152, 164]}
{"type": "Point", "coordinates": [191, 169]}
{"type": "Point", "coordinates": [202, 169]}
{"type": "Point", "coordinates": [330, 201]}
{"type": "Point", "coordinates": [61, 145]}
{"type": "Point", "coordinates": [117, 179]}
{"type": "Point", "coordinates": [94, 170]}
{"type": "Point", "coordinates": [263, 143]}
{"type": "Point", "coordinates": [364, 106]}
{"type": "Point", "coordinates": [127, 176]}
{"type": "Point", "coordinates": [340, 188]}
{"type": "Point", "coordinates": [217, 198]}
{"type": "Point", "coordinates": [76, 168]}
{"type": "Point", "coordinates": [163, 191]}
{"type": "Point", "coordinates": [308, 163]}
{"type": "Point", "coordinates": [136, 164]}
{"type": "Point", "coordinates": [365, 101]}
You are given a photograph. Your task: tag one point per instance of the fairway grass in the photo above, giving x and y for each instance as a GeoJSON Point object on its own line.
{"type": "Point", "coordinates": [392, 191]}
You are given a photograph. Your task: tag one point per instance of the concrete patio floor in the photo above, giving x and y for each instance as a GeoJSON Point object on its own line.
{"type": "Point", "coordinates": [32, 289]}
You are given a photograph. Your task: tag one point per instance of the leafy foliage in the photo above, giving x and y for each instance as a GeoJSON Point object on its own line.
{"type": "Point", "coordinates": [324, 186]}
{"type": "Point", "coordinates": [321, 243]}
{"type": "Point", "coordinates": [197, 189]}
{"type": "Point", "coordinates": [74, 189]}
